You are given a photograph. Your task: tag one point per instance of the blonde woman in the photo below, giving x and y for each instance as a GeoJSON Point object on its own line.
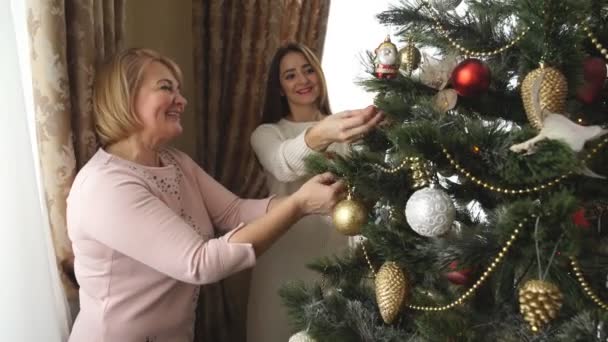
{"type": "Point", "coordinates": [143, 218]}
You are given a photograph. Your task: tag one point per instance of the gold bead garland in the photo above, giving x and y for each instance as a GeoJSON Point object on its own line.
{"type": "Point", "coordinates": [595, 41]}
{"type": "Point", "coordinates": [531, 189]}
{"type": "Point", "coordinates": [472, 53]}
{"type": "Point", "coordinates": [497, 260]}
{"type": "Point", "coordinates": [420, 176]}
{"type": "Point", "coordinates": [595, 150]}
{"type": "Point", "coordinates": [404, 163]}
{"type": "Point", "coordinates": [585, 285]}
{"type": "Point", "coordinates": [499, 189]}
{"type": "Point", "coordinates": [413, 160]}
{"type": "Point", "coordinates": [369, 263]}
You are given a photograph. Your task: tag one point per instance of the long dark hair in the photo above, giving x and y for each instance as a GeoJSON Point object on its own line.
{"type": "Point", "coordinates": [275, 104]}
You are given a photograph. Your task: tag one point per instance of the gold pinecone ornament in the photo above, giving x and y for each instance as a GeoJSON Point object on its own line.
{"type": "Point", "coordinates": [392, 288]}
{"type": "Point", "coordinates": [539, 303]}
{"type": "Point", "coordinates": [543, 90]}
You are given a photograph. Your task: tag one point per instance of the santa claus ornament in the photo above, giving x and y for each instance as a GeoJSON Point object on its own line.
{"type": "Point", "coordinates": [387, 59]}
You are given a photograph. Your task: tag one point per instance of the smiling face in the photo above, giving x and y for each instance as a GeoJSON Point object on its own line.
{"type": "Point", "coordinates": [299, 80]}
{"type": "Point", "coordinates": [159, 104]}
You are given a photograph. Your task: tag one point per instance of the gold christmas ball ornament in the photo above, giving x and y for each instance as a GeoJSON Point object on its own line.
{"type": "Point", "coordinates": [392, 287]}
{"type": "Point", "coordinates": [539, 303]}
{"type": "Point", "coordinates": [349, 216]}
{"type": "Point", "coordinates": [410, 57]}
{"type": "Point", "coordinates": [543, 91]}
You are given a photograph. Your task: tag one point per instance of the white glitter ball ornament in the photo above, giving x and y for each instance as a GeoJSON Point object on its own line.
{"type": "Point", "coordinates": [430, 212]}
{"type": "Point", "coordinates": [301, 336]}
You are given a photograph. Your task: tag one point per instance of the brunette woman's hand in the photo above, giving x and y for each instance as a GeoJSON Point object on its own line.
{"type": "Point", "coordinates": [343, 127]}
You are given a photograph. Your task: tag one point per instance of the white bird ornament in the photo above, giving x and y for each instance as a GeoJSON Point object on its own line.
{"type": "Point", "coordinates": [559, 127]}
{"type": "Point", "coordinates": [553, 126]}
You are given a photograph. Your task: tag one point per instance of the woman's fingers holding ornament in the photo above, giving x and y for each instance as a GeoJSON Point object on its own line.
{"type": "Point", "coordinates": [354, 124]}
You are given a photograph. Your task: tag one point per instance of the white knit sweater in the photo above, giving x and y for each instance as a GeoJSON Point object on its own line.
{"type": "Point", "coordinates": [281, 150]}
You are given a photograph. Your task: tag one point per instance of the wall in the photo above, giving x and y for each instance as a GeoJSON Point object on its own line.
{"type": "Point", "coordinates": [166, 26]}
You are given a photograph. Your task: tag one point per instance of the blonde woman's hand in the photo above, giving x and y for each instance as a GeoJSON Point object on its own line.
{"type": "Point", "coordinates": [320, 194]}
{"type": "Point", "coordinates": [343, 127]}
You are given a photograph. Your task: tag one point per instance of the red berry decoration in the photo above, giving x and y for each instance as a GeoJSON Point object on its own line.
{"type": "Point", "coordinates": [594, 74]}
{"type": "Point", "coordinates": [471, 78]}
{"type": "Point", "coordinates": [579, 219]}
{"type": "Point", "coordinates": [458, 277]}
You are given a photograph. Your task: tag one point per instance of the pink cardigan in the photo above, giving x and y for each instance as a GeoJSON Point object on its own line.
{"type": "Point", "coordinates": [144, 238]}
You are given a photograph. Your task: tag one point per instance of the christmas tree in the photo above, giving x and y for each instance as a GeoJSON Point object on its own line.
{"type": "Point", "coordinates": [481, 200]}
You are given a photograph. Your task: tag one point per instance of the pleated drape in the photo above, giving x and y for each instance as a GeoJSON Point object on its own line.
{"type": "Point", "coordinates": [234, 43]}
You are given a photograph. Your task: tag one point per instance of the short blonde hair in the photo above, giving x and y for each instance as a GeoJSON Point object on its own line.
{"type": "Point", "coordinates": [114, 91]}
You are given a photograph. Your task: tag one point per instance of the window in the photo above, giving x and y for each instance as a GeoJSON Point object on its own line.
{"type": "Point", "coordinates": [33, 304]}
{"type": "Point", "coordinates": [351, 31]}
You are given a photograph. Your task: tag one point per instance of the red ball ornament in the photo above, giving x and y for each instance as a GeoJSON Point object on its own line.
{"type": "Point", "coordinates": [588, 93]}
{"type": "Point", "coordinates": [594, 70]}
{"type": "Point", "coordinates": [594, 74]}
{"type": "Point", "coordinates": [471, 77]}
{"type": "Point", "coordinates": [458, 277]}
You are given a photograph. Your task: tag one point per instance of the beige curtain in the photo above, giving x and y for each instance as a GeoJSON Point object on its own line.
{"type": "Point", "coordinates": [68, 38]}
{"type": "Point", "coordinates": [234, 41]}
